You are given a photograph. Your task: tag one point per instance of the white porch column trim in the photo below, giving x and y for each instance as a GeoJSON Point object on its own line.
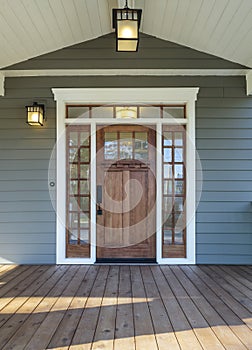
{"type": "Point", "coordinates": [2, 81]}
{"type": "Point", "coordinates": [249, 82]}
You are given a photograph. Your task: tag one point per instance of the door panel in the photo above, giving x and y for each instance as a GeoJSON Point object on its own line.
{"type": "Point", "coordinates": [126, 226]}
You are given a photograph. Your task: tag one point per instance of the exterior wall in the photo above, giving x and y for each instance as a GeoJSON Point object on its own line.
{"type": "Point", "coordinates": [223, 137]}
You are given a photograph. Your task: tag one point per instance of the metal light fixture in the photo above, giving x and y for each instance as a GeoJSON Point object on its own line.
{"type": "Point", "coordinates": [126, 22]}
{"type": "Point", "coordinates": [126, 112]}
{"type": "Point", "coordinates": [35, 114]}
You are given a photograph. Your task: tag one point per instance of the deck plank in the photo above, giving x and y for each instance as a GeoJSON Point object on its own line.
{"type": "Point", "coordinates": [198, 323]}
{"type": "Point", "coordinates": [81, 307]}
{"type": "Point", "coordinates": [85, 331]}
{"type": "Point", "coordinates": [36, 308]}
{"type": "Point", "coordinates": [183, 331]}
{"type": "Point", "coordinates": [124, 328]}
{"type": "Point", "coordinates": [229, 288]}
{"type": "Point", "coordinates": [144, 332]}
{"type": "Point", "coordinates": [165, 336]}
{"type": "Point", "coordinates": [105, 329]}
{"type": "Point", "coordinates": [43, 335]}
{"type": "Point", "coordinates": [215, 321]}
{"type": "Point", "coordinates": [221, 304]}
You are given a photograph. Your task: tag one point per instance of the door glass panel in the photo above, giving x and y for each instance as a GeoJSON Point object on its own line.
{"type": "Point", "coordinates": [110, 146]}
{"type": "Point", "coordinates": [179, 187]}
{"type": "Point", "coordinates": [74, 187]}
{"type": "Point", "coordinates": [84, 138]}
{"type": "Point", "coordinates": [84, 171]}
{"type": "Point", "coordinates": [179, 171]}
{"type": "Point", "coordinates": [126, 145]}
{"type": "Point", "coordinates": [73, 237]}
{"type": "Point", "coordinates": [178, 154]}
{"type": "Point", "coordinates": [73, 204]}
{"type": "Point", "coordinates": [167, 236]}
{"type": "Point", "coordinates": [84, 187]}
{"type": "Point", "coordinates": [73, 155]}
{"type": "Point", "coordinates": [84, 203]}
{"type": "Point", "coordinates": [167, 138]}
{"type": "Point", "coordinates": [73, 139]}
{"type": "Point", "coordinates": [178, 139]}
{"type": "Point", "coordinates": [102, 112]}
{"type": "Point", "coordinates": [141, 146]}
{"type": "Point", "coordinates": [73, 171]}
{"type": "Point", "coordinates": [84, 155]}
{"type": "Point", "coordinates": [167, 155]}
{"type": "Point", "coordinates": [168, 187]}
{"type": "Point", "coordinates": [149, 112]}
{"type": "Point", "coordinates": [168, 171]}
{"type": "Point", "coordinates": [84, 236]}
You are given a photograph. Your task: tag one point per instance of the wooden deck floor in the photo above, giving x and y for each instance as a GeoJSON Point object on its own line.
{"type": "Point", "coordinates": [125, 307]}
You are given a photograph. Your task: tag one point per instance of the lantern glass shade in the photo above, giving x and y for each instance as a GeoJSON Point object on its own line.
{"type": "Point", "coordinates": [127, 112]}
{"type": "Point", "coordinates": [35, 114]}
{"type": "Point", "coordinates": [126, 23]}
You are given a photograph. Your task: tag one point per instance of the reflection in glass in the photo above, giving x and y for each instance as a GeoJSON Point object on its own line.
{"type": "Point", "coordinates": [178, 154]}
{"type": "Point", "coordinates": [73, 220]}
{"type": "Point", "coordinates": [179, 238]}
{"type": "Point", "coordinates": [167, 236]}
{"type": "Point", "coordinates": [73, 171]}
{"type": "Point", "coordinates": [84, 203]}
{"type": "Point", "coordinates": [167, 205]}
{"type": "Point", "coordinates": [168, 171]}
{"type": "Point", "coordinates": [173, 112]}
{"type": "Point", "coordinates": [84, 187]}
{"type": "Point", "coordinates": [149, 112]}
{"type": "Point", "coordinates": [84, 236]}
{"type": "Point", "coordinates": [126, 145]}
{"type": "Point", "coordinates": [110, 146]}
{"type": "Point", "coordinates": [84, 171]}
{"type": "Point", "coordinates": [84, 138]}
{"type": "Point", "coordinates": [73, 237]}
{"type": "Point", "coordinates": [84, 155]}
{"type": "Point", "coordinates": [102, 112]}
{"type": "Point", "coordinates": [74, 187]}
{"type": "Point", "coordinates": [179, 187]}
{"type": "Point", "coordinates": [167, 138]}
{"type": "Point", "coordinates": [179, 204]}
{"type": "Point", "coordinates": [73, 155]}
{"type": "Point", "coordinates": [179, 171]}
{"type": "Point", "coordinates": [141, 146]}
{"type": "Point", "coordinates": [84, 220]}
{"type": "Point", "coordinates": [167, 155]}
{"type": "Point", "coordinates": [73, 139]}
{"type": "Point", "coordinates": [168, 187]}
{"type": "Point", "coordinates": [78, 112]}
{"type": "Point", "coordinates": [178, 139]}
{"type": "Point", "coordinates": [73, 204]}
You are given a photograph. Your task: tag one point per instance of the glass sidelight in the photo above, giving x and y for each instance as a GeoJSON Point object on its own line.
{"type": "Point", "coordinates": [174, 191]}
{"type": "Point", "coordinates": [78, 191]}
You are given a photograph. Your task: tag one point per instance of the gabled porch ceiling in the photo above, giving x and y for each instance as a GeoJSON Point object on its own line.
{"type": "Point", "coordinates": [29, 28]}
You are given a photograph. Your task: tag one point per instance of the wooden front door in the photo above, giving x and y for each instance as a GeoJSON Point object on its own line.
{"type": "Point", "coordinates": [126, 193]}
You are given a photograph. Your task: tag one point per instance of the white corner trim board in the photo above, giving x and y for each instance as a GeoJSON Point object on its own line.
{"type": "Point", "coordinates": [120, 72]}
{"type": "Point", "coordinates": [2, 80]}
{"type": "Point", "coordinates": [249, 82]}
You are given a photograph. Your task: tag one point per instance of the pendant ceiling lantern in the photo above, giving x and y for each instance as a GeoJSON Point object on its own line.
{"type": "Point", "coordinates": [126, 23]}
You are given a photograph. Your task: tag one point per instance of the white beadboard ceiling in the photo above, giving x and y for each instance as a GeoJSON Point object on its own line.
{"type": "Point", "coordinates": [29, 28]}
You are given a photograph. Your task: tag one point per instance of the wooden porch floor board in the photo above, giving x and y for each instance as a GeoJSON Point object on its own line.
{"type": "Point", "coordinates": [125, 307]}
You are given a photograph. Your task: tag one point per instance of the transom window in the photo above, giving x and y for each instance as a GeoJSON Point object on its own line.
{"type": "Point", "coordinates": [126, 112]}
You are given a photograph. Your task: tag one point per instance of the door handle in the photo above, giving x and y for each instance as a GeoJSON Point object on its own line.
{"type": "Point", "coordinates": [99, 199]}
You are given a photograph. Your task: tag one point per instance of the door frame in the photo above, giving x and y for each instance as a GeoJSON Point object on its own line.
{"type": "Point", "coordinates": [104, 96]}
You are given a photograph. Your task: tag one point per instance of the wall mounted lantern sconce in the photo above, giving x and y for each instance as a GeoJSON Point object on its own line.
{"type": "Point", "coordinates": [35, 114]}
{"type": "Point", "coordinates": [126, 23]}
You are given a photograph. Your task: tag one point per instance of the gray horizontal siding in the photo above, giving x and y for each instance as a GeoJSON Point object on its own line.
{"type": "Point", "coordinates": [224, 143]}
{"type": "Point", "coordinates": [152, 53]}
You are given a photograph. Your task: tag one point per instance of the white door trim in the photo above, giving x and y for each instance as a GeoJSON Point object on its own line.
{"type": "Point", "coordinates": [122, 96]}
